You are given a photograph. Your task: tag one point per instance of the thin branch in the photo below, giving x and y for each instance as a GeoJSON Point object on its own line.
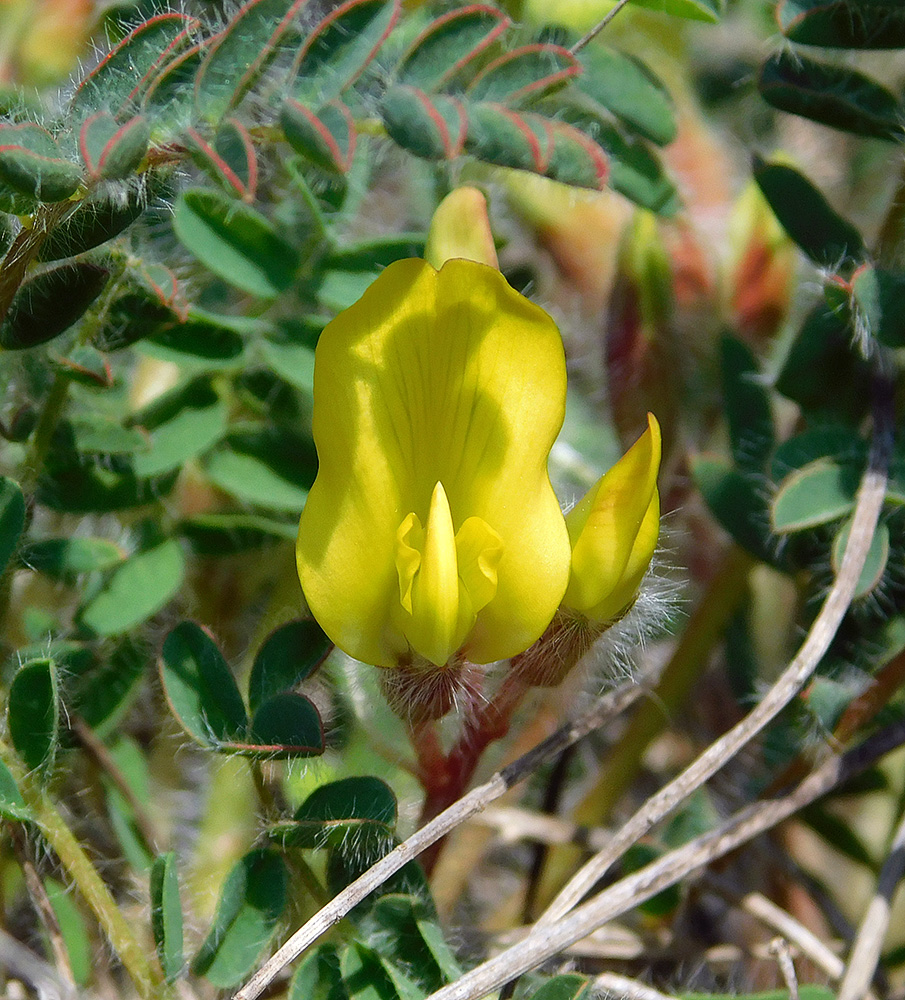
{"type": "Point", "coordinates": [631, 989]}
{"type": "Point", "coordinates": [598, 27]}
{"type": "Point", "coordinates": [865, 953]}
{"type": "Point", "coordinates": [780, 950]}
{"type": "Point", "coordinates": [606, 708]}
{"type": "Point", "coordinates": [544, 942]}
{"type": "Point", "coordinates": [779, 920]}
{"type": "Point", "coordinates": [870, 500]}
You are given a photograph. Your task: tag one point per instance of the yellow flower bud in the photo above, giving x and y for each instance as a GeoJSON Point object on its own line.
{"type": "Point", "coordinates": [461, 228]}
{"type": "Point", "coordinates": [432, 531]}
{"type": "Point", "coordinates": [613, 531]}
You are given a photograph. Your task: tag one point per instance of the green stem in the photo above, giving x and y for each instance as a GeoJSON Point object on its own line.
{"type": "Point", "coordinates": [51, 412]}
{"type": "Point", "coordinates": [148, 981]}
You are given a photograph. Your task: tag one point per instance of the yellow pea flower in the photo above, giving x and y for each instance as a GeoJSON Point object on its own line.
{"type": "Point", "coordinates": [613, 530]}
{"type": "Point", "coordinates": [432, 528]}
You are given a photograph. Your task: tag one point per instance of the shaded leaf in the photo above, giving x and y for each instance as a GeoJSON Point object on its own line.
{"type": "Point", "coordinates": [200, 687]}
{"type": "Point", "coordinates": [104, 691]}
{"type": "Point", "coordinates": [226, 534]}
{"type": "Point", "coordinates": [747, 406]}
{"type": "Point", "coordinates": [431, 126]}
{"type": "Point", "coordinates": [91, 224]}
{"type": "Point", "coordinates": [568, 986]}
{"type": "Point", "coordinates": [183, 423]}
{"type": "Point", "coordinates": [12, 518]}
{"type": "Point", "coordinates": [251, 902]}
{"type": "Point", "coordinates": [877, 295]}
{"type": "Point", "coordinates": [348, 812]}
{"type": "Point", "coordinates": [288, 656]}
{"type": "Point", "coordinates": [318, 976]}
{"type": "Point", "coordinates": [272, 468]}
{"type": "Point", "coordinates": [737, 502]}
{"type": "Point", "coordinates": [47, 304]}
{"type": "Point", "coordinates": [33, 713]}
{"type": "Point", "coordinates": [286, 725]}
{"type": "Point", "coordinates": [693, 10]}
{"type": "Point", "coordinates": [111, 151]}
{"type": "Point", "coordinates": [827, 238]}
{"type": "Point", "coordinates": [844, 24]}
{"type": "Point", "coordinates": [12, 805]}
{"type": "Point", "coordinates": [823, 372]}
{"type": "Point", "coordinates": [832, 95]}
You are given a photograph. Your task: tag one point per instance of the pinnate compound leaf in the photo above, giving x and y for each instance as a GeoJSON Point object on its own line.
{"type": "Point", "coordinates": [804, 213]}
{"type": "Point", "coordinates": [568, 986]}
{"type": "Point", "coordinates": [166, 915]}
{"type": "Point", "coordinates": [251, 903]}
{"type": "Point", "coordinates": [288, 657]}
{"type": "Point", "coordinates": [341, 47]}
{"type": "Point", "coordinates": [449, 44]}
{"type": "Point", "coordinates": [200, 687]}
{"type": "Point", "coordinates": [832, 95]}
{"type": "Point", "coordinates": [432, 126]}
{"type": "Point", "coordinates": [250, 40]}
{"type": "Point", "coordinates": [230, 159]}
{"type": "Point", "coordinates": [138, 589]}
{"type": "Point", "coordinates": [33, 168]}
{"type": "Point", "coordinates": [47, 304]}
{"type": "Point", "coordinates": [844, 24]}
{"type": "Point", "coordinates": [237, 243]}
{"type": "Point", "coordinates": [33, 713]}
{"type": "Point", "coordinates": [524, 74]}
{"type": "Point", "coordinates": [627, 88]}
{"type": "Point", "coordinates": [327, 138]}
{"type": "Point", "coordinates": [111, 151]}
{"type": "Point", "coordinates": [12, 518]}
{"type": "Point", "coordinates": [120, 80]}
{"type": "Point", "coordinates": [285, 725]}
{"type": "Point", "coordinates": [819, 493]}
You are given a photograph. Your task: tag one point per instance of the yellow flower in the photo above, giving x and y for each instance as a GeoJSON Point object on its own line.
{"type": "Point", "coordinates": [613, 530]}
{"type": "Point", "coordinates": [432, 528]}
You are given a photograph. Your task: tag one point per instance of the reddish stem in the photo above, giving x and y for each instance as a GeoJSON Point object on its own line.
{"type": "Point", "coordinates": [445, 777]}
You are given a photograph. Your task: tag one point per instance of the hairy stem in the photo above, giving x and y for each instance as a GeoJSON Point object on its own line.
{"type": "Point", "coordinates": [131, 953]}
